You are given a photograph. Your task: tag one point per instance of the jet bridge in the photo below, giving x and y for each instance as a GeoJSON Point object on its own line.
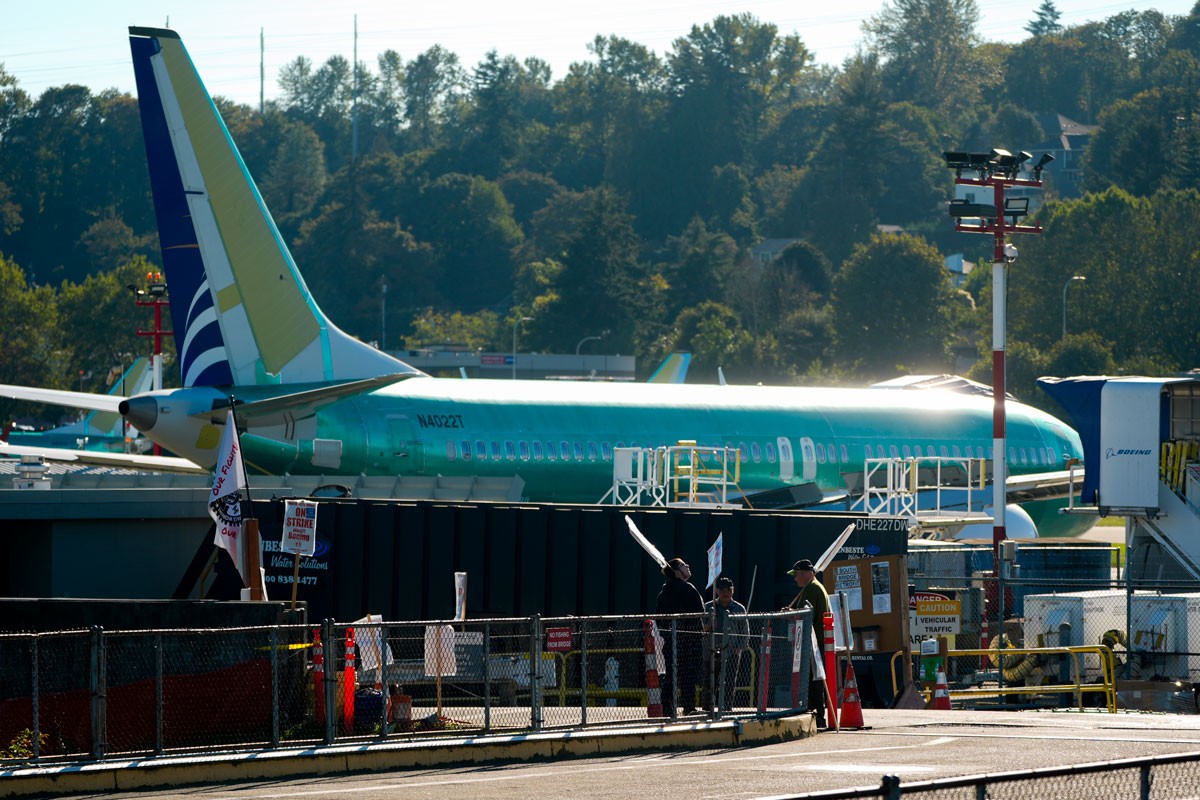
{"type": "Point", "coordinates": [1141, 442]}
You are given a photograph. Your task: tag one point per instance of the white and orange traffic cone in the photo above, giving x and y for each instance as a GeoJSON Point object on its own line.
{"type": "Point", "coordinates": [654, 704]}
{"type": "Point", "coordinates": [941, 693]}
{"type": "Point", "coordinates": [852, 716]}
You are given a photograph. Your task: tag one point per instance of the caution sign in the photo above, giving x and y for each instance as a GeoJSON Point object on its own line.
{"type": "Point", "coordinates": [933, 614]}
{"type": "Point", "coordinates": [299, 527]}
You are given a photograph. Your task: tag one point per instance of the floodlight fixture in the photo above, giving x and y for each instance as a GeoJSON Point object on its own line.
{"type": "Point", "coordinates": [958, 160]}
{"type": "Point", "coordinates": [1001, 158]}
{"type": "Point", "coordinates": [1015, 207]}
{"type": "Point", "coordinates": [1041, 165]}
{"type": "Point", "coordinates": [962, 208]}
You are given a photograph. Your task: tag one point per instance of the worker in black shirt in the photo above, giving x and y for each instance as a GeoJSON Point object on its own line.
{"type": "Point", "coordinates": [677, 596]}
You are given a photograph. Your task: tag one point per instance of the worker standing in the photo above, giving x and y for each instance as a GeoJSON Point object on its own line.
{"type": "Point", "coordinates": [813, 594]}
{"type": "Point", "coordinates": [681, 653]}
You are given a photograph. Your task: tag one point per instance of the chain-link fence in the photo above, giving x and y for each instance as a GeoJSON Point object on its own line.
{"type": "Point", "coordinates": [90, 694]}
{"type": "Point", "coordinates": [1169, 777]}
{"type": "Point", "coordinates": [1068, 595]}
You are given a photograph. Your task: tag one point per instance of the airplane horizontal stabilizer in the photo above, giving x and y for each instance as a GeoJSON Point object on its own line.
{"type": "Point", "coordinates": [62, 397]}
{"type": "Point", "coordinates": [298, 405]}
{"type": "Point", "coordinates": [101, 458]}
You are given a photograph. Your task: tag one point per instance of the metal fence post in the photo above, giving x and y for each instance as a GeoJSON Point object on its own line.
{"type": "Point", "coordinates": [535, 672]}
{"type": "Point", "coordinates": [713, 680]}
{"type": "Point", "coordinates": [159, 710]}
{"type": "Point", "coordinates": [98, 681]}
{"type": "Point", "coordinates": [764, 665]}
{"type": "Point", "coordinates": [583, 672]}
{"type": "Point", "coordinates": [275, 686]}
{"type": "Point", "coordinates": [327, 632]}
{"type": "Point", "coordinates": [671, 704]}
{"type": "Point", "coordinates": [35, 694]}
{"type": "Point", "coordinates": [487, 677]}
{"type": "Point", "coordinates": [806, 657]}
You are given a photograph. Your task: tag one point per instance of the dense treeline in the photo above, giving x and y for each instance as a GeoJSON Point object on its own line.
{"type": "Point", "coordinates": [625, 198]}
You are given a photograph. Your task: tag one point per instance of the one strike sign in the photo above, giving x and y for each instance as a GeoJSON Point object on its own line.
{"type": "Point", "coordinates": [299, 527]}
{"type": "Point", "coordinates": [299, 535]}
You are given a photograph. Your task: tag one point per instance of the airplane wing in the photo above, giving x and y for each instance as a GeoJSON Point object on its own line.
{"type": "Point", "coordinates": [61, 397]}
{"type": "Point", "coordinates": [105, 459]}
{"type": "Point", "coordinates": [1043, 485]}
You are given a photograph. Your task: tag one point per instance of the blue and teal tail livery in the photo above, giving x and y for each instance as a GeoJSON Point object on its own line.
{"type": "Point", "coordinates": [241, 312]}
{"type": "Point", "coordinates": [673, 369]}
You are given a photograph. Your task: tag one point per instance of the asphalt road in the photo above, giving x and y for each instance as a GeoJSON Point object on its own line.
{"type": "Point", "coordinates": [913, 745]}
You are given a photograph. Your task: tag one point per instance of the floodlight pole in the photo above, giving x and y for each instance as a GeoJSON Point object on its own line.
{"type": "Point", "coordinates": [154, 295]}
{"type": "Point", "coordinates": [999, 228]}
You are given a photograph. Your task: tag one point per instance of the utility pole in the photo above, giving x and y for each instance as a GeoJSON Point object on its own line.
{"type": "Point", "coordinates": [996, 171]}
{"type": "Point", "coordinates": [354, 113]}
{"type": "Point", "coordinates": [262, 51]}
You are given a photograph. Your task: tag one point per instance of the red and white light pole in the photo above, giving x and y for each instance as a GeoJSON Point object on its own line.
{"type": "Point", "coordinates": [996, 170]}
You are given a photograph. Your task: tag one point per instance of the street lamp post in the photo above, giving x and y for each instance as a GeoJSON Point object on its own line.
{"type": "Point", "coordinates": [516, 325]}
{"type": "Point", "coordinates": [589, 339]}
{"type": "Point", "coordinates": [1066, 286]}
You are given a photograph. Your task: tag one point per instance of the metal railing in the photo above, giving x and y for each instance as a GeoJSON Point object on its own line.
{"type": "Point", "coordinates": [1071, 674]}
{"type": "Point", "coordinates": [88, 695]}
{"type": "Point", "coordinates": [1168, 777]}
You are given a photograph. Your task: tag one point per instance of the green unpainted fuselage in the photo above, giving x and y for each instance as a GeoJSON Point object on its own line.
{"type": "Point", "coordinates": [559, 437]}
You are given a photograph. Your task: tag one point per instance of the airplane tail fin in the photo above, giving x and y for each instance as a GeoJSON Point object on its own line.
{"type": "Point", "coordinates": [241, 311]}
{"type": "Point", "coordinates": [673, 369]}
{"type": "Point", "coordinates": [135, 380]}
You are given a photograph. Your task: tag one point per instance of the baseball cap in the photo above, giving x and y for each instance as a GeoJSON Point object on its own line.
{"type": "Point", "coordinates": [803, 565]}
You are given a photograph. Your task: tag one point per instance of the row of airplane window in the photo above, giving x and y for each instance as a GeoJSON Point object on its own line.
{"type": "Point", "coordinates": [752, 453]}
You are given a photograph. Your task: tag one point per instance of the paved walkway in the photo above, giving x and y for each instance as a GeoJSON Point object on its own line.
{"type": "Point", "coordinates": [115, 775]}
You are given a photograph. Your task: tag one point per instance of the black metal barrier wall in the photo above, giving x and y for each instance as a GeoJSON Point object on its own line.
{"type": "Point", "coordinates": [398, 558]}
{"type": "Point", "coordinates": [87, 695]}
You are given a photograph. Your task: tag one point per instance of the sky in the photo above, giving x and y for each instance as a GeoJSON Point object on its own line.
{"type": "Point", "coordinates": [46, 43]}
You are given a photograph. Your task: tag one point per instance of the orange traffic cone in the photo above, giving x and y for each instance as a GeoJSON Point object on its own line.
{"type": "Point", "coordinates": [941, 693]}
{"type": "Point", "coordinates": [852, 716]}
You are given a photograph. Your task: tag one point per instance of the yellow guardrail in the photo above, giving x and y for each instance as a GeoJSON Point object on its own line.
{"type": "Point", "coordinates": [1106, 686]}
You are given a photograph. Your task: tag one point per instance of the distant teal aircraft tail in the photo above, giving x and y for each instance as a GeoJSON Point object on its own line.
{"type": "Point", "coordinates": [241, 312]}
{"type": "Point", "coordinates": [673, 369]}
{"type": "Point", "coordinates": [135, 380]}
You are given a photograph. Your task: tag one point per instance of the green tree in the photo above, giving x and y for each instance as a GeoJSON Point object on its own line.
{"type": "Point", "coordinates": [479, 331]}
{"type": "Point", "coordinates": [892, 306]}
{"type": "Point", "coordinates": [1137, 255]}
{"type": "Point", "coordinates": [927, 48]}
{"type": "Point", "coordinates": [432, 84]}
{"type": "Point", "coordinates": [728, 78]}
{"type": "Point", "coordinates": [30, 353]}
{"type": "Point", "coordinates": [470, 225]}
{"type": "Point", "coordinates": [714, 336]}
{"type": "Point", "coordinates": [1045, 23]}
{"type": "Point", "coordinates": [110, 243]}
{"type": "Point", "coordinates": [703, 262]}
{"type": "Point", "coordinates": [598, 273]}
{"type": "Point", "coordinates": [296, 177]}
{"type": "Point", "coordinates": [609, 110]}
{"type": "Point", "coordinates": [103, 318]}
